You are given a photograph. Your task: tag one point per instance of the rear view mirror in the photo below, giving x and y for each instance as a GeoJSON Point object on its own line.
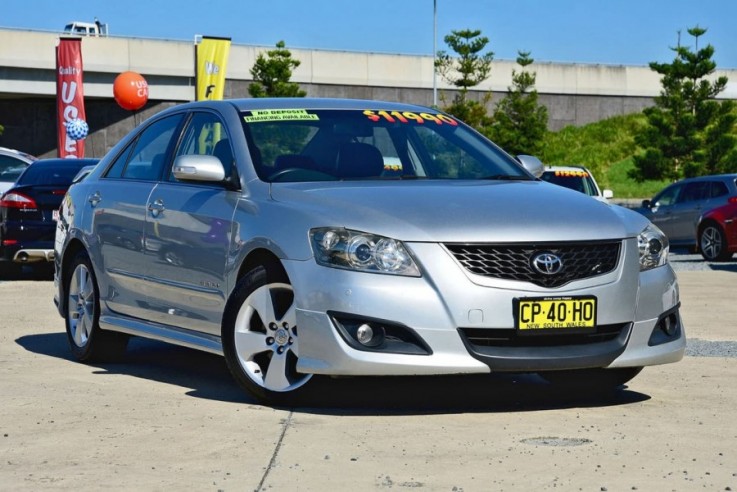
{"type": "Point", "coordinates": [198, 168]}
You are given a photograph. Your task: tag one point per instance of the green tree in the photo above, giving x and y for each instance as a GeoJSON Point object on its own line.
{"type": "Point", "coordinates": [519, 123]}
{"type": "Point", "coordinates": [468, 68]}
{"type": "Point", "coordinates": [271, 74]}
{"type": "Point", "coordinates": [688, 133]}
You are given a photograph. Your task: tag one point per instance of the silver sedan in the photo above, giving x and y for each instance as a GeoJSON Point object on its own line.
{"type": "Point", "coordinates": [303, 237]}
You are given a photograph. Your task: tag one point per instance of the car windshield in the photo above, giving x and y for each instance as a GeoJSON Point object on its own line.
{"type": "Point", "coordinates": [578, 180]}
{"type": "Point", "coordinates": [319, 145]}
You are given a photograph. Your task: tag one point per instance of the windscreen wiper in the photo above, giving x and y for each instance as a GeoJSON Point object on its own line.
{"type": "Point", "coordinates": [506, 177]}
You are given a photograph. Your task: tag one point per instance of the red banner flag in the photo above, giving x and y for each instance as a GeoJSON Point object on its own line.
{"type": "Point", "coordinates": [69, 95]}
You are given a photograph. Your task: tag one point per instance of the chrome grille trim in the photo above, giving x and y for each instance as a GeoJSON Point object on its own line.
{"type": "Point", "coordinates": [513, 261]}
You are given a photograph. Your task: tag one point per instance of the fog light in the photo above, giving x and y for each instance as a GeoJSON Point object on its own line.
{"type": "Point", "coordinates": [669, 325]}
{"type": "Point", "coordinates": [368, 336]}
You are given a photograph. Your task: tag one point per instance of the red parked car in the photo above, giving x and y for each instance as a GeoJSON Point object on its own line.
{"type": "Point", "coordinates": [717, 232]}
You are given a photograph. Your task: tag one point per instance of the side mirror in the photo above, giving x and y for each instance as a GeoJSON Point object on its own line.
{"type": "Point", "coordinates": [532, 165]}
{"type": "Point", "coordinates": [646, 204]}
{"type": "Point", "coordinates": [607, 194]}
{"type": "Point", "coordinates": [206, 168]}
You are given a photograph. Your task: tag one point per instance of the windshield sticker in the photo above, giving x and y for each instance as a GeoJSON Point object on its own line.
{"type": "Point", "coordinates": [408, 116]}
{"type": "Point", "coordinates": [258, 116]}
{"type": "Point", "coordinates": [572, 174]}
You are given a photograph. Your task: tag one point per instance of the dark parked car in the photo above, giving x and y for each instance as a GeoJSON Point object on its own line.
{"type": "Point", "coordinates": [302, 237]}
{"type": "Point", "coordinates": [28, 211]}
{"type": "Point", "coordinates": [677, 208]}
{"type": "Point", "coordinates": [717, 232]}
{"type": "Point", "coordinates": [12, 163]}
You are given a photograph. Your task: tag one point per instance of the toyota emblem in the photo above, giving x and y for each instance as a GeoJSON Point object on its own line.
{"type": "Point", "coordinates": [547, 263]}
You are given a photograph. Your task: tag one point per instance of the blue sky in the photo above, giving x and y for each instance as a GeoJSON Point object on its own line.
{"type": "Point", "coordinates": [619, 32]}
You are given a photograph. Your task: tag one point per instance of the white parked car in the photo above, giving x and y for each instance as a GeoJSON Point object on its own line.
{"type": "Point", "coordinates": [576, 178]}
{"type": "Point", "coordinates": [12, 163]}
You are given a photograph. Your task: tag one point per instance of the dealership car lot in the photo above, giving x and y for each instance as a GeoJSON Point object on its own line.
{"type": "Point", "coordinates": [169, 417]}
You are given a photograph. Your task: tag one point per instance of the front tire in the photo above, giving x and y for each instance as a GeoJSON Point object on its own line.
{"type": "Point", "coordinates": [591, 379]}
{"type": "Point", "coordinates": [713, 243]}
{"type": "Point", "coordinates": [260, 337]}
{"type": "Point", "coordinates": [88, 342]}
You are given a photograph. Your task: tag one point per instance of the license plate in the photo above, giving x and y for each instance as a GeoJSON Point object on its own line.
{"type": "Point", "coordinates": [555, 313]}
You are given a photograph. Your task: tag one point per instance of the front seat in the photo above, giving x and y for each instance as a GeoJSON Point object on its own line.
{"type": "Point", "coordinates": [359, 160]}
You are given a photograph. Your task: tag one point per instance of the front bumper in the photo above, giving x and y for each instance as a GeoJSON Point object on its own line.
{"type": "Point", "coordinates": [447, 303]}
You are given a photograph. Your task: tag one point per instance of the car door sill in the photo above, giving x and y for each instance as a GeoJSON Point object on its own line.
{"type": "Point", "coordinates": [164, 333]}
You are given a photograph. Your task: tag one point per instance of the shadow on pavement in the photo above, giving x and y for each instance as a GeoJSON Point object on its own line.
{"type": "Point", "coordinates": [208, 377]}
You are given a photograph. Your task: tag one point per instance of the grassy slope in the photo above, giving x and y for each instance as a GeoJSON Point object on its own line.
{"type": "Point", "coordinates": [606, 148]}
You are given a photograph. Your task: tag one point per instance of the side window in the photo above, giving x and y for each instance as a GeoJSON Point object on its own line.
{"type": "Point", "coordinates": [116, 169]}
{"type": "Point", "coordinates": [206, 135]}
{"type": "Point", "coordinates": [695, 191]}
{"type": "Point", "coordinates": [10, 168]}
{"type": "Point", "coordinates": [146, 158]}
{"type": "Point", "coordinates": [718, 189]}
{"type": "Point", "coordinates": [668, 196]}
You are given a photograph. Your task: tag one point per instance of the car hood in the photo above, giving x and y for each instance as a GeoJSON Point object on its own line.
{"type": "Point", "coordinates": [460, 211]}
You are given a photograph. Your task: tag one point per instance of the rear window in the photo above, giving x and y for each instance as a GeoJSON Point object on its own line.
{"type": "Point", "coordinates": [56, 175]}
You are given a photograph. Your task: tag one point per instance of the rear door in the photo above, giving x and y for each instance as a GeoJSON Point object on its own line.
{"type": "Point", "coordinates": [118, 202]}
{"type": "Point", "coordinates": [688, 208]}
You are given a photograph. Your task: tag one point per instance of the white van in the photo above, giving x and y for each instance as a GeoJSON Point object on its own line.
{"type": "Point", "coordinates": [86, 28]}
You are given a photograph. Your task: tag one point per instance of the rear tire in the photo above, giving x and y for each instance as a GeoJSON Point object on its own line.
{"type": "Point", "coordinates": [591, 379]}
{"type": "Point", "coordinates": [260, 337]}
{"type": "Point", "coordinates": [713, 243]}
{"type": "Point", "coordinates": [88, 342]}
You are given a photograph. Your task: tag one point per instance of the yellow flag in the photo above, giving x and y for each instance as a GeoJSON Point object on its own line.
{"type": "Point", "coordinates": [211, 58]}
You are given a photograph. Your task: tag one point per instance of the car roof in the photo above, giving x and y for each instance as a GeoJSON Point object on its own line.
{"type": "Point", "coordinates": [571, 168]}
{"type": "Point", "coordinates": [566, 168]}
{"type": "Point", "coordinates": [249, 104]}
{"type": "Point", "coordinates": [58, 161]}
{"type": "Point", "coordinates": [710, 177]}
{"type": "Point", "coordinates": [17, 153]}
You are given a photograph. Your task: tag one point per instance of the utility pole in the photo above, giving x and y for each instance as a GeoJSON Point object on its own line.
{"type": "Point", "coordinates": [434, 52]}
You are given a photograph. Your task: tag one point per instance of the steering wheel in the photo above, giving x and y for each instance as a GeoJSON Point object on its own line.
{"type": "Point", "coordinates": [310, 174]}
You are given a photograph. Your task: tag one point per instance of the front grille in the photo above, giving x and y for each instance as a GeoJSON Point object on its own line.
{"type": "Point", "coordinates": [514, 261]}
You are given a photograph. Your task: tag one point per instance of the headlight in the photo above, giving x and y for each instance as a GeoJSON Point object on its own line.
{"type": "Point", "coordinates": [653, 245]}
{"type": "Point", "coordinates": [353, 250]}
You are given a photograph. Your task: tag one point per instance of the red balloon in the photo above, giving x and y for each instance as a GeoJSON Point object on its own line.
{"type": "Point", "coordinates": [130, 90]}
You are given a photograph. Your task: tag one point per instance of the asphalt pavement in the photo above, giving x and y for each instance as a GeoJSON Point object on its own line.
{"type": "Point", "coordinates": [170, 418]}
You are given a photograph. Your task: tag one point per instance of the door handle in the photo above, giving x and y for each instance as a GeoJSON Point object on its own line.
{"type": "Point", "coordinates": [156, 207]}
{"type": "Point", "coordinates": [94, 199]}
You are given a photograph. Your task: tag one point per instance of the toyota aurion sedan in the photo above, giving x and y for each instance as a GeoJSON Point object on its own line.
{"type": "Point", "coordinates": [304, 237]}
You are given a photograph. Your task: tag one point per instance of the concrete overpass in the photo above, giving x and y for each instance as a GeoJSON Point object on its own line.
{"type": "Point", "coordinates": [575, 94]}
